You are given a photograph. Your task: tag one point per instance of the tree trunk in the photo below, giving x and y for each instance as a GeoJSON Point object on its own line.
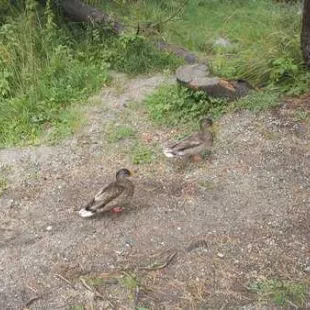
{"type": "Point", "coordinates": [78, 11]}
{"type": "Point", "coordinates": [305, 33]}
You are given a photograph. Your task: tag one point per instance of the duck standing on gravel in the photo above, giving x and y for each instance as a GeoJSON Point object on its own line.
{"type": "Point", "coordinates": [111, 197]}
{"type": "Point", "coordinates": [194, 144]}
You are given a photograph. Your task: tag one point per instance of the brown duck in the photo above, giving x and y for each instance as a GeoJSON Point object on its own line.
{"type": "Point", "coordinates": [112, 197]}
{"type": "Point", "coordinates": [194, 144]}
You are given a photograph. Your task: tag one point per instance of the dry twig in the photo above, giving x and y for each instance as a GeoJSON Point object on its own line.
{"type": "Point", "coordinates": [31, 300]}
{"type": "Point", "coordinates": [157, 267]}
{"type": "Point", "coordinates": [96, 294]}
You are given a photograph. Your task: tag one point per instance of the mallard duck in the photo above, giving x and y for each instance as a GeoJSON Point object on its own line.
{"type": "Point", "coordinates": [111, 197]}
{"type": "Point", "coordinates": [194, 144]}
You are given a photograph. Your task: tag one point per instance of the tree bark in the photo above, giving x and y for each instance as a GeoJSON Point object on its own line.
{"type": "Point", "coordinates": [78, 11]}
{"type": "Point", "coordinates": [305, 33]}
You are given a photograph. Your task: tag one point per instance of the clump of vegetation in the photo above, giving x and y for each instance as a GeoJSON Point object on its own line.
{"type": "Point", "coordinates": [264, 36]}
{"type": "Point", "coordinates": [258, 101]}
{"type": "Point", "coordinates": [45, 68]}
{"type": "Point", "coordinates": [141, 154]}
{"type": "Point", "coordinates": [302, 115]}
{"type": "Point", "coordinates": [280, 292]}
{"type": "Point", "coordinates": [41, 76]}
{"type": "Point", "coordinates": [172, 104]}
{"type": "Point", "coordinates": [133, 55]}
{"type": "Point", "coordinates": [117, 133]}
{"type": "Point", "coordinates": [3, 185]}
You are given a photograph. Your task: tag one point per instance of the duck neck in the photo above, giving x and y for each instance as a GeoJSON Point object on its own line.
{"type": "Point", "coordinates": [122, 181]}
{"type": "Point", "coordinates": [205, 129]}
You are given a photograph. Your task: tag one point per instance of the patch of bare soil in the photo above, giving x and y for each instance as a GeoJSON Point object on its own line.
{"type": "Point", "coordinates": [195, 236]}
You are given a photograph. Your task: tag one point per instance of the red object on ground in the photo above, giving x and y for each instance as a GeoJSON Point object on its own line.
{"type": "Point", "coordinates": [117, 210]}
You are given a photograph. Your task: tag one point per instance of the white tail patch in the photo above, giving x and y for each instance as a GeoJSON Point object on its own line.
{"type": "Point", "coordinates": [86, 213]}
{"type": "Point", "coordinates": [168, 153]}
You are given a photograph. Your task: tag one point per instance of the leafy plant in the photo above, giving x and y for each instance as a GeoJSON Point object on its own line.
{"type": "Point", "coordinates": [302, 115]}
{"type": "Point", "coordinates": [134, 55]}
{"type": "Point", "coordinates": [172, 104]}
{"type": "Point", "coordinates": [117, 133]}
{"type": "Point", "coordinates": [129, 281]}
{"type": "Point", "coordinates": [141, 154]}
{"type": "Point", "coordinates": [3, 185]}
{"type": "Point", "coordinates": [258, 101]}
{"type": "Point", "coordinates": [280, 291]}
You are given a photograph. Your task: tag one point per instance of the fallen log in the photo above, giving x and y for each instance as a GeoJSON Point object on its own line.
{"type": "Point", "coordinates": [78, 11]}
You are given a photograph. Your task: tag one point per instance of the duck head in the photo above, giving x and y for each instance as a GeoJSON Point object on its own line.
{"type": "Point", "coordinates": [123, 174]}
{"type": "Point", "coordinates": [205, 123]}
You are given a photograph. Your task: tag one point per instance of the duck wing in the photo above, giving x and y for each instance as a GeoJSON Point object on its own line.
{"type": "Point", "coordinates": [107, 195]}
{"type": "Point", "coordinates": [102, 198]}
{"type": "Point", "coordinates": [190, 144]}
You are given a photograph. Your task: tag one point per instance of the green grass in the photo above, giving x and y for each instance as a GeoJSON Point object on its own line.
{"type": "Point", "coordinates": [265, 36]}
{"type": "Point", "coordinates": [302, 115]}
{"type": "Point", "coordinates": [281, 292]}
{"type": "Point", "coordinates": [258, 101]}
{"type": "Point", "coordinates": [46, 70]}
{"type": "Point", "coordinates": [142, 154]}
{"type": "Point", "coordinates": [129, 281]}
{"type": "Point", "coordinates": [133, 55]}
{"type": "Point", "coordinates": [77, 307]}
{"type": "Point", "coordinates": [172, 104]}
{"type": "Point", "coordinates": [43, 74]}
{"type": "Point", "coordinates": [3, 185]}
{"type": "Point", "coordinates": [95, 281]}
{"type": "Point", "coordinates": [117, 133]}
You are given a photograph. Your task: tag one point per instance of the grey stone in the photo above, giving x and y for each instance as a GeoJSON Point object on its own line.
{"type": "Point", "coordinates": [222, 42]}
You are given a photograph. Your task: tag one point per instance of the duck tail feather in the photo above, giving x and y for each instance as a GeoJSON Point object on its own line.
{"type": "Point", "coordinates": [86, 213]}
{"type": "Point", "coordinates": [169, 153]}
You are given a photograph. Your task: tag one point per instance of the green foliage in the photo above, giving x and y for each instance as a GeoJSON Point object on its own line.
{"type": "Point", "coordinates": [258, 101]}
{"type": "Point", "coordinates": [265, 45]}
{"type": "Point", "coordinates": [130, 281]}
{"type": "Point", "coordinates": [302, 115]}
{"type": "Point", "coordinates": [117, 133]}
{"type": "Point", "coordinates": [264, 36]}
{"type": "Point", "coordinates": [141, 154]}
{"type": "Point", "coordinates": [171, 104]}
{"type": "Point", "coordinates": [3, 184]}
{"type": "Point", "coordinates": [280, 292]}
{"type": "Point", "coordinates": [134, 55]}
{"type": "Point", "coordinates": [46, 68]}
{"type": "Point", "coordinates": [41, 76]}
{"type": "Point", "coordinates": [95, 281]}
{"type": "Point", "coordinates": [77, 307]}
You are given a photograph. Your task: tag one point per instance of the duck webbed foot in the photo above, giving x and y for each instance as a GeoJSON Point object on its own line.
{"type": "Point", "coordinates": [117, 210]}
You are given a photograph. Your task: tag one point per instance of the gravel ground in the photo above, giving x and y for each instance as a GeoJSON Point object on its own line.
{"type": "Point", "coordinates": [196, 234]}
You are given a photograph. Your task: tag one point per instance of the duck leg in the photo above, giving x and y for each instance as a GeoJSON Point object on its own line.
{"type": "Point", "coordinates": [117, 210]}
{"type": "Point", "coordinates": [196, 158]}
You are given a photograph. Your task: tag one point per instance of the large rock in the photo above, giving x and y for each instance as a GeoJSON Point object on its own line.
{"type": "Point", "coordinates": [222, 42]}
{"type": "Point", "coordinates": [196, 77]}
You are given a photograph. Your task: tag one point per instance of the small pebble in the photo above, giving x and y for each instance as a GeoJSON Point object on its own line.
{"type": "Point", "coordinates": [49, 228]}
{"type": "Point", "coordinates": [220, 255]}
{"type": "Point", "coordinates": [307, 269]}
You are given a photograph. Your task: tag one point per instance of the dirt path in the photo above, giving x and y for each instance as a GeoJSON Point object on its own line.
{"type": "Point", "coordinates": [215, 226]}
